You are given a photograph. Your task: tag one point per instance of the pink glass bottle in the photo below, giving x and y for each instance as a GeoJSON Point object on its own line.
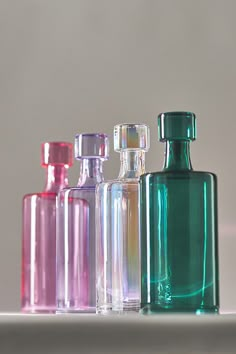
{"type": "Point", "coordinates": [38, 282]}
{"type": "Point", "coordinates": [76, 228]}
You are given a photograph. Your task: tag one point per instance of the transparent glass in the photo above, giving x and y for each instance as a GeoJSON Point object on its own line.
{"type": "Point", "coordinates": [117, 219]}
{"type": "Point", "coordinates": [38, 282]}
{"type": "Point", "coordinates": [76, 228]}
{"type": "Point", "coordinates": [179, 248]}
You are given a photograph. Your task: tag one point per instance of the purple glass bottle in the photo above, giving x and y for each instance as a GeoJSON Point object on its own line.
{"type": "Point", "coordinates": [76, 228]}
{"type": "Point", "coordinates": [38, 281]}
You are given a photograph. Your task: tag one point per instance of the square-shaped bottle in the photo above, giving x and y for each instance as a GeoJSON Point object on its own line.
{"type": "Point", "coordinates": [76, 228]}
{"type": "Point", "coordinates": [38, 278]}
{"type": "Point", "coordinates": [179, 252]}
{"type": "Point", "coordinates": [118, 227]}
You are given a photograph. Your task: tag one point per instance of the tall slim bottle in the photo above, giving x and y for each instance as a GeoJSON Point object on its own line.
{"type": "Point", "coordinates": [76, 228]}
{"type": "Point", "coordinates": [38, 281]}
{"type": "Point", "coordinates": [179, 258]}
{"type": "Point", "coordinates": [118, 232]}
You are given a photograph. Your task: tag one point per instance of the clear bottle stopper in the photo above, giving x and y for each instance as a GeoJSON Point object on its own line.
{"type": "Point", "coordinates": [131, 137]}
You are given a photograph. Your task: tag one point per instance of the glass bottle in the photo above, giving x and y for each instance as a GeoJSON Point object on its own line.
{"type": "Point", "coordinates": [76, 228]}
{"type": "Point", "coordinates": [38, 282]}
{"type": "Point", "coordinates": [179, 260]}
{"type": "Point", "coordinates": [117, 201]}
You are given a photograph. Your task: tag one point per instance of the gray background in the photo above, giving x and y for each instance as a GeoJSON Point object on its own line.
{"type": "Point", "coordinates": [78, 66]}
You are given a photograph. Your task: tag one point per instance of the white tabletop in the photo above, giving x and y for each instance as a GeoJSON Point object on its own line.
{"type": "Point", "coordinates": [67, 334]}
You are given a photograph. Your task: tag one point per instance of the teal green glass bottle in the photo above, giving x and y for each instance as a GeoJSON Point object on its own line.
{"type": "Point", "coordinates": [179, 251]}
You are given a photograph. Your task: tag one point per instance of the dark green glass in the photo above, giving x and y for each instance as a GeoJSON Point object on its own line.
{"type": "Point", "coordinates": [179, 251]}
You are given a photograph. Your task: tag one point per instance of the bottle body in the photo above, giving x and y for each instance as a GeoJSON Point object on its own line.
{"type": "Point", "coordinates": [39, 253]}
{"type": "Point", "coordinates": [38, 268]}
{"type": "Point", "coordinates": [118, 258]}
{"type": "Point", "coordinates": [179, 260]}
{"type": "Point", "coordinates": [75, 255]}
{"type": "Point", "coordinates": [118, 226]}
{"type": "Point", "coordinates": [76, 250]}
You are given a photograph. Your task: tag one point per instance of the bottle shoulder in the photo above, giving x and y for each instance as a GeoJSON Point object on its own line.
{"type": "Point", "coordinates": [188, 174]}
{"type": "Point", "coordinates": [40, 195]}
{"type": "Point", "coordinates": [118, 186]}
{"type": "Point", "coordinates": [118, 182]}
{"type": "Point", "coordinates": [178, 173]}
{"type": "Point", "coordinates": [75, 189]}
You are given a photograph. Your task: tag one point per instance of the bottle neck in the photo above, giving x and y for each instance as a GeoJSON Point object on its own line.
{"type": "Point", "coordinates": [56, 178]}
{"type": "Point", "coordinates": [132, 164]}
{"type": "Point", "coordinates": [91, 172]}
{"type": "Point", "coordinates": [177, 155]}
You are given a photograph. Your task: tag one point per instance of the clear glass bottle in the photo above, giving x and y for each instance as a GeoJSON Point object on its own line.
{"type": "Point", "coordinates": [117, 219]}
{"type": "Point", "coordinates": [38, 281]}
{"type": "Point", "coordinates": [179, 254]}
{"type": "Point", "coordinates": [76, 228]}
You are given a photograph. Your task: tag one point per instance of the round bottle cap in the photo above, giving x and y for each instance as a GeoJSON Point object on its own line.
{"type": "Point", "coordinates": [131, 137]}
{"type": "Point", "coordinates": [176, 126]}
{"type": "Point", "coordinates": [56, 153]}
{"type": "Point", "coordinates": [91, 146]}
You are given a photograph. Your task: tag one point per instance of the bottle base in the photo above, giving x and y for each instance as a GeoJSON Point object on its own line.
{"type": "Point", "coordinates": [152, 309]}
{"type": "Point", "coordinates": [35, 310]}
{"type": "Point", "coordinates": [130, 307]}
{"type": "Point", "coordinates": [73, 307]}
{"type": "Point", "coordinates": [76, 310]}
{"type": "Point", "coordinates": [70, 311]}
